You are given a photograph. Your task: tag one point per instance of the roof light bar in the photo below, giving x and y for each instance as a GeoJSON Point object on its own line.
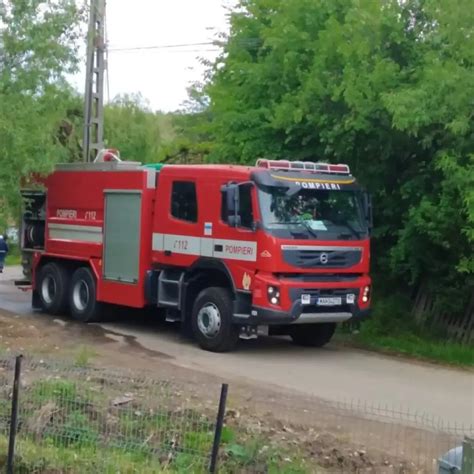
{"type": "Point", "coordinates": [303, 165]}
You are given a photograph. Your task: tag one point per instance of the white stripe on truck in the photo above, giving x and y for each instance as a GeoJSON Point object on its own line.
{"type": "Point", "coordinates": [78, 233]}
{"type": "Point", "coordinates": [206, 247]}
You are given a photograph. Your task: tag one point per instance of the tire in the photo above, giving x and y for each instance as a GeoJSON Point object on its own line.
{"type": "Point", "coordinates": [53, 287]}
{"type": "Point", "coordinates": [312, 335]}
{"type": "Point", "coordinates": [211, 320]}
{"type": "Point", "coordinates": [83, 297]}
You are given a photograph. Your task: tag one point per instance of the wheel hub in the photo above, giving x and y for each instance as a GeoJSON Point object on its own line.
{"type": "Point", "coordinates": [209, 320]}
{"type": "Point", "coordinates": [80, 295]}
{"type": "Point", "coordinates": [48, 289]}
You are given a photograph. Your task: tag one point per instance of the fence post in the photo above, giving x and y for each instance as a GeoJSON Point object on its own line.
{"type": "Point", "coordinates": [14, 415]}
{"type": "Point", "coordinates": [467, 466]}
{"type": "Point", "coordinates": [218, 430]}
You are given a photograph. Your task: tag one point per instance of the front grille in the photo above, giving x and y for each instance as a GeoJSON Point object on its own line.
{"type": "Point", "coordinates": [312, 278]}
{"type": "Point", "coordinates": [295, 293]}
{"type": "Point", "coordinates": [322, 258]}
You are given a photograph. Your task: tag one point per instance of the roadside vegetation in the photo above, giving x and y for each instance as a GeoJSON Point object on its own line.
{"type": "Point", "coordinates": [76, 426]}
{"type": "Point", "coordinates": [14, 256]}
{"type": "Point", "coordinates": [392, 330]}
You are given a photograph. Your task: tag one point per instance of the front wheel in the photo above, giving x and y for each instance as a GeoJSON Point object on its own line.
{"type": "Point", "coordinates": [83, 297]}
{"type": "Point", "coordinates": [212, 320]}
{"type": "Point", "coordinates": [312, 335]}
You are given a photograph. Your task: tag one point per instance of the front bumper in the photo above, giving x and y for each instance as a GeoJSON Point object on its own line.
{"type": "Point", "coordinates": [292, 310]}
{"type": "Point", "coordinates": [269, 317]}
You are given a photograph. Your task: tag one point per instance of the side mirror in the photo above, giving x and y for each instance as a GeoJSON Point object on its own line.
{"type": "Point", "coordinates": [231, 194]}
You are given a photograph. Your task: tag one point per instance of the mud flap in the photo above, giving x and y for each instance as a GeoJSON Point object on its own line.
{"type": "Point", "coordinates": [35, 301]}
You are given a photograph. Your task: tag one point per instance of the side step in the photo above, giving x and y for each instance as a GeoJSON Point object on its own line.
{"type": "Point", "coordinates": [170, 286]}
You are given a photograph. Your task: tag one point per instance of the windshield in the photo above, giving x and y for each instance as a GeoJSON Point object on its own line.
{"type": "Point", "coordinates": [312, 214]}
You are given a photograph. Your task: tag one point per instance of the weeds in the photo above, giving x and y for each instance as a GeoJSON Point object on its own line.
{"type": "Point", "coordinates": [76, 426]}
{"type": "Point", "coordinates": [392, 329]}
{"type": "Point", "coordinates": [84, 356]}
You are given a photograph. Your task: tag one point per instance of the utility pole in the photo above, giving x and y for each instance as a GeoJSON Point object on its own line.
{"type": "Point", "coordinates": [94, 93]}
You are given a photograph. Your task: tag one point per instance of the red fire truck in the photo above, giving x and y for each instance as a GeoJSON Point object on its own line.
{"type": "Point", "coordinates": [232, 251]}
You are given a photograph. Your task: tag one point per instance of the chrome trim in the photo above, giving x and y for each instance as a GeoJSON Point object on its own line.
{"type": "Point", "coordinates": [79, 233]}
{"type": "Point", "coordinates": [319, 247]}
{"type": "Point", "coordinates": [308, 318]}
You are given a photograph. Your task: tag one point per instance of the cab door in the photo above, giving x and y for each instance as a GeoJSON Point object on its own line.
{"type": "Point", "coordinates": [176, 235]}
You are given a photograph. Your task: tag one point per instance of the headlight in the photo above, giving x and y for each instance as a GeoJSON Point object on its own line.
{"type": "Point", "coordinates": [273, 294]}
{"type": "Point", "coordinates": [366, 294]}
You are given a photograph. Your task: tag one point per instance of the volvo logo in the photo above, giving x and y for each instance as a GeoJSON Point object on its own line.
{"type": "Point", "coordinates": [323, 258]}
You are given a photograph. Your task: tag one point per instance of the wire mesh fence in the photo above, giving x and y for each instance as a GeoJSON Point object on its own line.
{"type": "Point", "coordinates": [87, 420]}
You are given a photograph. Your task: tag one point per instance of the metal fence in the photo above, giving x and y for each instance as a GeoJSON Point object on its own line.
{"type": "Point", "coordinates": [86, 420]}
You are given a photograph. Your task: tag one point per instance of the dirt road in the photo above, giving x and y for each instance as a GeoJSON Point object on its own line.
{"type": "Point", "coordinates": [333, 373]}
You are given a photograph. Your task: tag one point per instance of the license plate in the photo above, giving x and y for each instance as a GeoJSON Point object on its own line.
{"type": "Point", "coordinates": [332, 301]}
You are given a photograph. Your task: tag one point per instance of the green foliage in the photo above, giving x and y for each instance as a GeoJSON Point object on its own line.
{"type": "Point", "coordinates": [76, 431]}
{"type": "Point", "coordinates": [60, 391]}
{"type": "Point", "coordinates": [13, 256]}
{"type": "Point", "coordinates": [255, 453]}
{"type": "Point", "coordinates": [38, 46]}
{"type": "Point", "coordinates": [84, 356]}
{"type": "Point", "coordinates": [386, 87]}
{"type": "Point", "coordinates": [70, 425]}
{"type": "Point", "coordinates": [132, 128]}
{"type": "Point", "coordinates": [392, 329]}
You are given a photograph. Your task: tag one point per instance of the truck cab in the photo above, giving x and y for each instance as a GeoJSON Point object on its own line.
{"type": "Point", "coordinates": [287, 242]}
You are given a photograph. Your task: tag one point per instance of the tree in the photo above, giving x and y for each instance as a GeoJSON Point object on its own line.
{"type": "Point", "coordinates": [384, 86]}
{"type": "Point", "coordinates": [38, 49]}
{"type": "Point", "coordinates": [132, 128]}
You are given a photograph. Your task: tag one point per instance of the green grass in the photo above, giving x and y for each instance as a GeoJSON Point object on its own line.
{"type": "Point", "coordinates": [84, 356]}
{"type": "Point", "coordinates": [393, 330]}
{"type": "Point", "coordinates": [12, 259]}
{"type": "Point", "coordinates": [418, 347]}
{"type": "Point", "coordinates": [71, 426]}
{"type": "Point", "coordinates": [14, 256]}
{"type": "Point", "coordinates": [47, 457]}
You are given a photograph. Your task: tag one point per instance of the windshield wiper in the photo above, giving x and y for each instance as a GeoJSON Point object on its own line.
{"type": "Point", "coordinates": [310, 230]}
{"type": "Point", "coordinates": [351, 228]}
{"type": "Point", "coordinates": [301, 223]}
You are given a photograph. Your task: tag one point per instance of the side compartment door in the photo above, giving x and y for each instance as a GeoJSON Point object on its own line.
{"type": "Point", "coordinates": [121, 255]}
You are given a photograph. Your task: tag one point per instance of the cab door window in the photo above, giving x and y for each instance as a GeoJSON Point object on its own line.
{"type": "Point", "coordinates": [244, 216]}
{"type": "Point", "coordinates": [184, 201]}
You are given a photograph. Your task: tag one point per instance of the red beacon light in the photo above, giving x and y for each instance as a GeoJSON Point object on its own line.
{"type": "Point", "coordinates": [108, 155]}
{"type": "Point", "coordinates": [303, 166]}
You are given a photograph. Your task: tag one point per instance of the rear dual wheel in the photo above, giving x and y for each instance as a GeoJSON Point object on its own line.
{"type": "Point", "coordinates": [52, 288]}
{"type": "Point", "coordinates": [57, 291]}
{"type": "Point", "coordinates": [83, 296]}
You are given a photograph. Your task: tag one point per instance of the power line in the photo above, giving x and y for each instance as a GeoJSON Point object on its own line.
{"type": "Point", "coordinates": [216, 44]}
{"type": "Point", "coordinates": [162, 46]}
{"type": "Point", "coordinates": [176, 51]}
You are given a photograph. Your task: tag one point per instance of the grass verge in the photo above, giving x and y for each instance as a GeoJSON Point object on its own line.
{"type": "Point", "coordinates": [392, 330]}
{"type": "Point", "coordinates": [12, 260]}
{"type": "Point", "coordinates": [14, 256]}
{"type": "Point", "coordinates": [81, 425]}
